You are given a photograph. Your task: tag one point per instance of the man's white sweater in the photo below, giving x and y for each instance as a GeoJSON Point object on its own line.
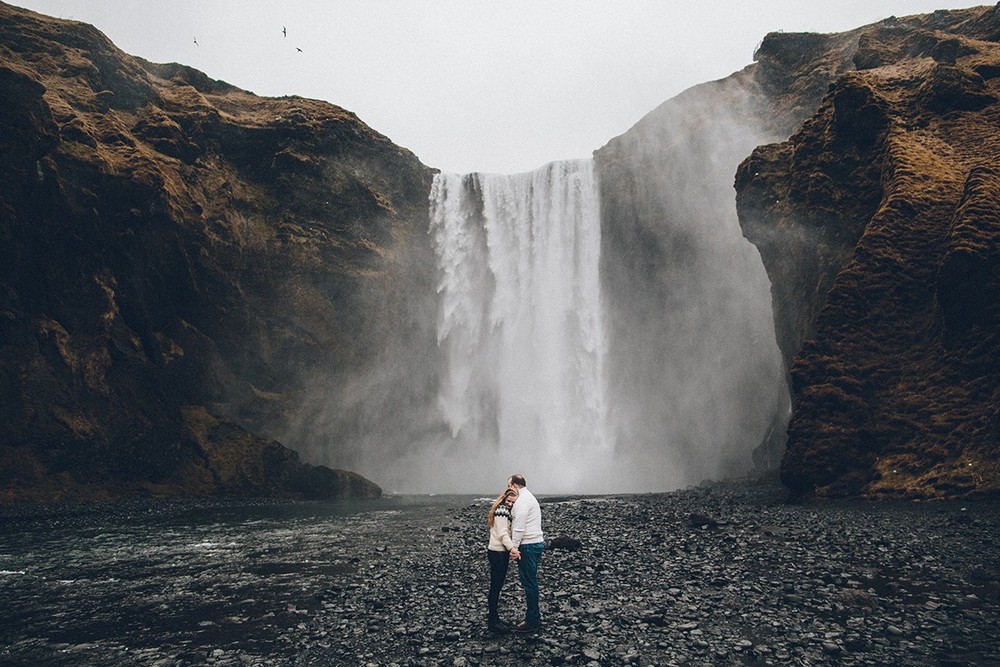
{"type": "Point", "coordinates": [527, 525]}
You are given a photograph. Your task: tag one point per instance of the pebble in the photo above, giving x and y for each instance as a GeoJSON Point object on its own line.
{"type": "Point", "coordinates": [832, 648]}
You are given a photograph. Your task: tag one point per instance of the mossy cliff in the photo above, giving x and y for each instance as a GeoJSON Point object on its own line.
{"type": "Point", "coordinates": [177, 256]}
{"type": "Point", "coordinates": [878, 221]}
{"type": "Point", "coordinates": [870, 193]}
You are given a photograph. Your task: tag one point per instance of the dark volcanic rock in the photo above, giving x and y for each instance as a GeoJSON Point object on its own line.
{"type": "Point", "coordinates": [171, 245]}
{"type": "Point", "coordinates": [879, 225]}
{"type": "Point", "coordinates": [876, 223]}
{"type": "Point", "coordinates": [564, 542]}
{"type": "Point", "coordinates": [702, 521]}
{"type": "Point", "coordinates": [234, 461]}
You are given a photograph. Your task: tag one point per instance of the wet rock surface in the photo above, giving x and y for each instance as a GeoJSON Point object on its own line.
{"type": "Point", "coordinates": [403, 581]}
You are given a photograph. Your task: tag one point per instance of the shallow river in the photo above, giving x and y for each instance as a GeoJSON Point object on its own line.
{"type": "Point", "coordinates": [165, 581]}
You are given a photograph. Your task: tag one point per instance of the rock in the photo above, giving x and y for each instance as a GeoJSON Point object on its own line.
{"type": "Point", "coordinates": [702, 520]}
{"type": "Point", "coordinates": [565, 543]}
{"type": "Point", "coordinates": [432, 593]}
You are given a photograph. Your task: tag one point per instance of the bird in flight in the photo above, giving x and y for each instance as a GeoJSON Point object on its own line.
{"type": "Point", "coordinates": [298, 49]}
{"type": "Point", "coordinates": [284, 33]}
{"type": "Point", "coordinates": [196, 41]}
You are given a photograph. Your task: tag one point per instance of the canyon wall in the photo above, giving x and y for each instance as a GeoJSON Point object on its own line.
{"type": "Point", "coordinates": [872, 203]}
{"type": "Point", "coordinates": [694, 365]}
{"type": "Point", "coordinates": [179, 259]}
{"type": "Point", "coordinates": [878, 224]}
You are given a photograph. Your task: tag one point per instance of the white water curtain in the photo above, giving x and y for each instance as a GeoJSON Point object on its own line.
{"type": "Point", "coordinates": [520, 318]}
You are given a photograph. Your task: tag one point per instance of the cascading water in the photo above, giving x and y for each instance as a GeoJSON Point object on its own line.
{"type": "Point", "coordinates": [521, 324]}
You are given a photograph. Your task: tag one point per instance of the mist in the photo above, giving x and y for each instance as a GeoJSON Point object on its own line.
{"type": "Point", "coordinates": [699, 376]}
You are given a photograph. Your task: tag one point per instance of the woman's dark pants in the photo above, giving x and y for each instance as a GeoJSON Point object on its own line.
{"type": "Point", "coordinates": [498, 574]}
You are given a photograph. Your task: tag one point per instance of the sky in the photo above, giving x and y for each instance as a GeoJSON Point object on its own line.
{"type": "Point", "coordinates": [472, 85]}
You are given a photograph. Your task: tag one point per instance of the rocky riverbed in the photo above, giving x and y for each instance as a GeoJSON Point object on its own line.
{"type": "Point", "coordinates": [722, 574]}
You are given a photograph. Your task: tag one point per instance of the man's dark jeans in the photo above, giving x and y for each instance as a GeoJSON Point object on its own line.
{"type": "Point", "coordinates": [527, 570]}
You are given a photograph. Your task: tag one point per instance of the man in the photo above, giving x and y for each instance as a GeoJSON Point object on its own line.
{"type": "Point", "coordinates": [526, 534]}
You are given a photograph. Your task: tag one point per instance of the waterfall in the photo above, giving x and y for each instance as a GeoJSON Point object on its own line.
{"type": "Point", "coordinates": [520, 321]}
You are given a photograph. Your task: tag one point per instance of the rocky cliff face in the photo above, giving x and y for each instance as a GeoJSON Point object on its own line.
{"type": "Point", "coordinates": [694, 363]}
{"type": "Point", "coordinates": [179, 260]}
{"type": "Point", "coordinates": [876, 222]}
{"type": "Point", "coordinates": [879, 224]}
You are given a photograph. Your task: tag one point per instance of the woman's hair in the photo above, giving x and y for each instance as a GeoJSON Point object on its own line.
{"type": "Point", "coordinates": [496, 503]}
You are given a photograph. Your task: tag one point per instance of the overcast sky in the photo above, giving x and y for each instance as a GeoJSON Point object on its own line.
{"type": "Point", "coordinates": [469, 85]}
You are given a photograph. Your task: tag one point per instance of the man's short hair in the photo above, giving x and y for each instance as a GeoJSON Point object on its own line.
{"type": "Point", "coordinates": [518, 480]}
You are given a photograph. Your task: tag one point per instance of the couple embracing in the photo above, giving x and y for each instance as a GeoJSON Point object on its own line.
{"type": "Point", "coordinates": [515, 521]}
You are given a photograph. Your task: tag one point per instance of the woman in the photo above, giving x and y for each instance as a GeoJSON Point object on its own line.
{"type": "Point", "coordinates": [499, 554]}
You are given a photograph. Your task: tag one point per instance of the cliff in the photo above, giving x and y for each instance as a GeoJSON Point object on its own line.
{"type": "Point", "coordinates": [694, 365]}
{"type": "Point", "coordinates": [179, 259]}
{"type": "Point", "coordinates": [872, 204]}
{"type": "Point", "coordinates": [879, 226]}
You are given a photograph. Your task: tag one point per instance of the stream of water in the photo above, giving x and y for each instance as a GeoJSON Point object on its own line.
{"type": "Point", "coordinates": [521, 321]}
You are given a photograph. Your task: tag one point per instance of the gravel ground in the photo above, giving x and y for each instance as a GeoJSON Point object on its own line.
{"type": "Point", "coordinates": [718, 575]}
